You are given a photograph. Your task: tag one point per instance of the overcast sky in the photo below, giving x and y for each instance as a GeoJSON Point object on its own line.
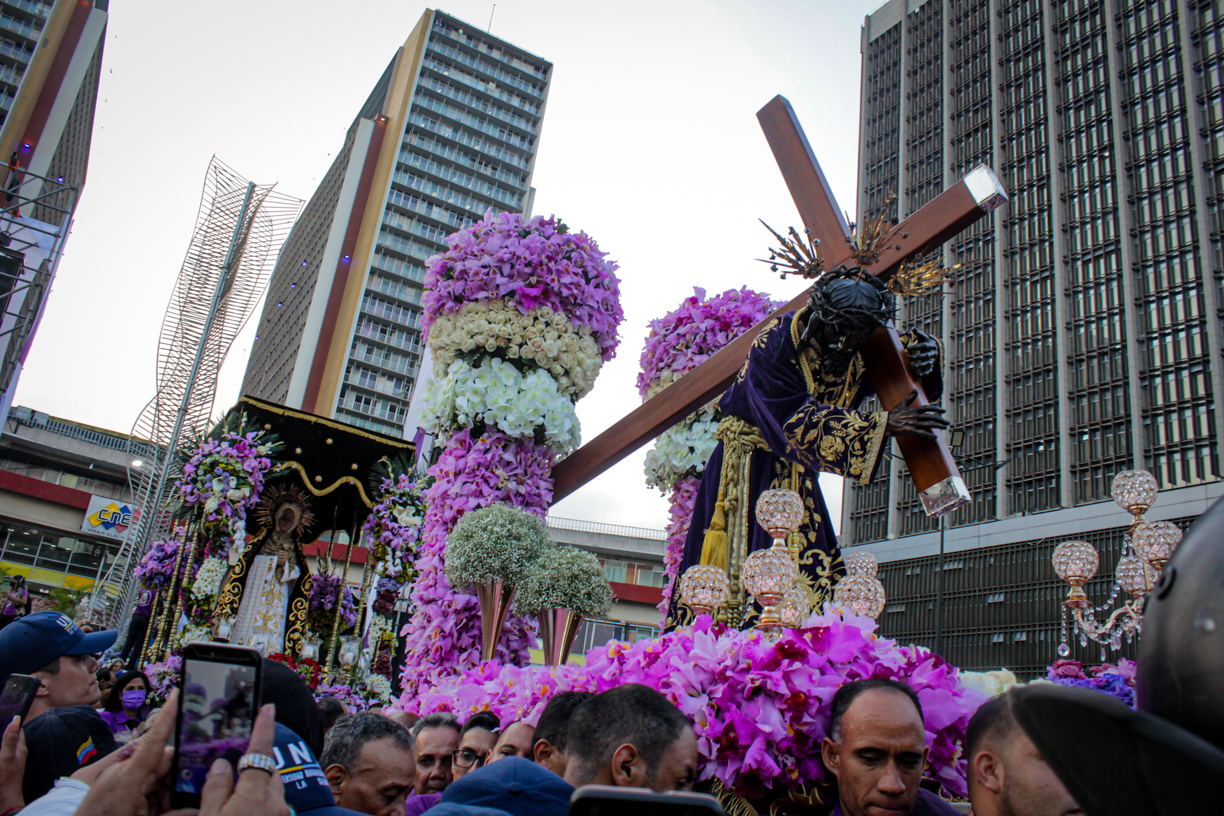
{"type": "Point", "coordinates": [650, 143]}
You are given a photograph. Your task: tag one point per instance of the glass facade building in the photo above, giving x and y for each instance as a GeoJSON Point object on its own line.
{"type": "Point", "coordinates": [462, 112]}
{"type": "Point", "coordinates": [1083, 334]}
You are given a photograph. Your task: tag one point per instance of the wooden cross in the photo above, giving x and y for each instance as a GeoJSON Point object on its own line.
{"type": "Point", "coordinates": [930, 462]}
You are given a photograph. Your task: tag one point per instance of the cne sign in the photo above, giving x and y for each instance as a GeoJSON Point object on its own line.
{"type": "Point", "coordinates": [109, 517]}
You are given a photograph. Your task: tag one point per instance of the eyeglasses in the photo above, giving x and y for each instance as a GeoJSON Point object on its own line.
{"type": "Point", "coordinates": [466, 758]}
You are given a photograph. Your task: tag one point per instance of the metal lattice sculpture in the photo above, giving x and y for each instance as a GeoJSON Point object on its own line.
{"type": "Point", "coordinates": [229, 261]}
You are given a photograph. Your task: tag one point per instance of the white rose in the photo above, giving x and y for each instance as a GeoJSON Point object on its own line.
{"type": "Point", "coordinates": [550, 348]}
{"type": "Point", "coordinates": [512, 352]}
{"type": "Point", "coordinates": [545, 312]}
{"type": "Point", "coordinates": [536, 344]}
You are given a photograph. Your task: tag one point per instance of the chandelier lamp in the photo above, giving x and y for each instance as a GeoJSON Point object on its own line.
{"type": "Point", "coordinates": [1146, 549]}
{"type": "Point", "coordinates": [770, 574]}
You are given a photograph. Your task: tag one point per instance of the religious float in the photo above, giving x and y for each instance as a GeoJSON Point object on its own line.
{"type": "Point", "coordinates": [762, 611]}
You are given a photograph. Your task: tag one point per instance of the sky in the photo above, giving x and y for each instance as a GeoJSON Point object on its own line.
{"type": "Point", "coordinates": [650, 144]}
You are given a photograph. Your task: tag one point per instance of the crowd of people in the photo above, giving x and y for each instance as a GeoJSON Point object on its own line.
{"type": "Point", "coordinates": [81, 751]}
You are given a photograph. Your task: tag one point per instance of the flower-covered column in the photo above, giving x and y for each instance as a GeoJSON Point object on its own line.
{"type": "Point", "coordinates": [678, 342]}
{"type": "Point", "coordinates": [393, 530]}
{"type": "Point", "coordinates": [520, 314]}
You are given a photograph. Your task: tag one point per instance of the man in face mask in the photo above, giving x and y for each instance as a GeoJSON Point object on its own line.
{"type": "Point", "coordinates": [794, 411]}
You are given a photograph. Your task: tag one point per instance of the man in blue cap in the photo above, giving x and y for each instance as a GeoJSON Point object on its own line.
{"type": "Point", "coordinates": [51, 647]}
{"type": "Point", "coordinates": [306, 788]}
{"type": "Point", "coordinates": [63, 730]}
{"type": "Point", "coordinates": [514, 785]}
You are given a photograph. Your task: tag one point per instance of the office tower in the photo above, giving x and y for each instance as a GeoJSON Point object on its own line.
{"type": "Point", "coordinates": [50, 64]}
{"type": "Point", "coordinates": [449, 131]}
{"type": "Point", "coordinates": [1083, 335]}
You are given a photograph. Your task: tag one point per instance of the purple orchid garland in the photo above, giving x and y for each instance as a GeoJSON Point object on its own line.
{"type": "Point", "coordinates": [760, 708]}
{"type": "Point", "coordinates": [678, 342]}
{"type": "Point", "coordinates": [525, 264]}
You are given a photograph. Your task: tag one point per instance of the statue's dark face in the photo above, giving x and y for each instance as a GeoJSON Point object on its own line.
{"type": "Point", "coordinates": [840, 321]}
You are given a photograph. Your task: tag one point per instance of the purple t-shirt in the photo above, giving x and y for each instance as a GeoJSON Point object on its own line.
{"type": "Point", "coordinates": [22, 597]}
{"type": "Point", "coordinates": [120, 722]}
{"type": "Point", "coordinates": [416, 805]}
{"type": "Point", "coordinates": [144, 603]}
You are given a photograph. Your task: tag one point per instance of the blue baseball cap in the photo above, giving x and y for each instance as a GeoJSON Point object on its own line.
{"type": "Point", "coordinates": [512, 785]}
{"type": "Point", "coordinates": [27, 644]}
{"type": "Point", "coordinates": [306, 788]}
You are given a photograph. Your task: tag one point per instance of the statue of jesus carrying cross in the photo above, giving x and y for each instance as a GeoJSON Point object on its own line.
{"type": "Point", "coordinates": [791, 413]}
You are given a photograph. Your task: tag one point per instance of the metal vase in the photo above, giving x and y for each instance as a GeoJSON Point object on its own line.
{"type": "Point", "coordinates": [494, 597]}
{"type": "Point", "coordinates": [558, 628]}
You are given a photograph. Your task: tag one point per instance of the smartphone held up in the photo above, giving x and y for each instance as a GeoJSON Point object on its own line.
{"type": "Point", "coordinates": [218, 700]}
{"type": "Point", "coordinates": [17, 697]}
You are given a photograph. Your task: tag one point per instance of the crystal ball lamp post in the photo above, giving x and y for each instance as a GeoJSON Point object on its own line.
{"type": "Point", "coordinates": [1149, 545]}
{"type": "Point", "coordinates": [770, 574]}
{"type": "Point", "coordinates": [860, 590]}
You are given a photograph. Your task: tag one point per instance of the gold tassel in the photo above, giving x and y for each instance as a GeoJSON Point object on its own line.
{"type": "Point", "coordinates": [714, 548]}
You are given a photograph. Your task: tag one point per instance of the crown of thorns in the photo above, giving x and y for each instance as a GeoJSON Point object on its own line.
{"type": "Point", "coordinates": [857, 310]}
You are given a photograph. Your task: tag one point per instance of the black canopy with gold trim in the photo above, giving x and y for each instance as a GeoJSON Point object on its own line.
{"type": "Point", "coordinates": [332, 460]}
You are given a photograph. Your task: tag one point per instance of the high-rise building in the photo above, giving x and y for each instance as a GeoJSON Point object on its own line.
{"type": "Point", "coordinates": [50, 64]}
{"type": "Point", "coordinates": [1083, 335]}
{"type": "Point", "coordinates": [449, 132]}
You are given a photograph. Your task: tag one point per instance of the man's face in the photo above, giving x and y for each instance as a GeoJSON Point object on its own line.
{"type": "Point", "coordinates": [434, 747]}
{"type": "Point", "coordinates": [880, 758]}
{"type": "Point", "coordinates": [76, 683]}
{"type": "Point", "coordinates": [474, 746]}
{"type": "Point", "coordinates": [678, 767]}
{"type": "Point", "coordinates": [1030, 786]}
{"type": "Point", "coordinates": [380, 781]}
{"type": "Point", "coordinates": [515, 740]}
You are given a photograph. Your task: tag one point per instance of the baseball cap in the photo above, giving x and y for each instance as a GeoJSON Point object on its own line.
{"type": "Point", "coordinates": [27, 644]}
{"type": "Point", "coordinates": [513, 785]}
{"type": "Point", "coordinates": [306, 788]}
{"type": "Point", "coordinates": [61, 741]}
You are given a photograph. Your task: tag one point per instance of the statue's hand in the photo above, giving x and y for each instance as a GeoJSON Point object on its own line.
{"type": "Point", "coordinates": [908, 419]}
{"type": "Point", "coordinates": [923, 352]}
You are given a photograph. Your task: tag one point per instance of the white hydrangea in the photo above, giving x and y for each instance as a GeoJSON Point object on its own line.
{"type": "Point", "coordinates": [380, 687]}
{"type": "Point", "coordinates": [681, 449]}
{"type": "Point", "coordinates": [208, 579]}
{"type": "Point", "coordinates": [501, 396]}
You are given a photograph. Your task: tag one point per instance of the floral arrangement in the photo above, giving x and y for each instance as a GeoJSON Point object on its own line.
{"type": "Point", "coordinates": [309, 670]}
{"type": "Point", "coordinates": [1118, 681]}
{"type": "Point", "coordinates": [208, 581]}
{"type": "Point", "coordinates": [223, 479]}
{"type": "Point", "coordinates": [512, 304]}
{"type": "Point", "coordinates": [683, 501]}
{"type": "Point", "coordinates": [379, 687]}
{"type": "Point", "coordinates": [497, 393]}
{"type": "Point", "coordinates": [539, 337]}
{"type": "Point", "coordinates": [494, 543]}
{"type": "Point", "coordinates": [324, 589]}
{"type": "Point", "coordinates": [163, 676]}
{"type": "Point", "coordinates": [565, 578]}
{"type": "Point", "coordinates": [690, 334]}
{"type": "Point", "coordinates": [526, 264]}
{"type": "Point", "coordinates": [156, 565]}
{"type": "Point", "coordinates": [682, 450]}
{"type": "Point", "coordinates": [393, 532]}
{"type": "Point", "coordinates": [353, 700]}
{"type": "Point", "coordinates": [676, 343]}
{"type": "Point", "coordinates": [760, 707]}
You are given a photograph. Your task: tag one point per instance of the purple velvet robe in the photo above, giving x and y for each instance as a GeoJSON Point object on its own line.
{"type": "Point", "coordinates": [807, 419]}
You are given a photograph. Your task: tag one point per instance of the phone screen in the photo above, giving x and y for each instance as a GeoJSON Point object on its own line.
{"type": "Point", "coordinates": [16, 698]}
{"type": "Point", "coordinates": [217, 707]}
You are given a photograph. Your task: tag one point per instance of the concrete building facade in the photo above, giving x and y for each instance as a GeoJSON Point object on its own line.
{"type": "Point", "coordinates": [1083, 335]}
{"type": "Point", "coordinates": [450, 131]}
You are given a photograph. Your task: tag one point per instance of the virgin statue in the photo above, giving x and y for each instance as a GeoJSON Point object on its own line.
{"type": "Point", "coordinates": [267, 590]}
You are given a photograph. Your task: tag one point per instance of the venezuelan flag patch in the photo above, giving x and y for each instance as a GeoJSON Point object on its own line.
{"type": "Point", "coordinates": [86, 752]}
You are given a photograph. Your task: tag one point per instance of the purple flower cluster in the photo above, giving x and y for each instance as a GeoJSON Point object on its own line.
{"type": "Point", "coordinates": [1118, 681]}
{"type": "Point", "coordinates": [323, 591]}
{"type": "Point", "coordinates": [683, 499]}
{"type": "Point", "coordinates": [527, 263]}
{"type": "Point", "coordinates": [157, 564]}
{"type": "Point", "coordinates": [163, 676]}
{"type": "Point", "coordinates": [443, 635]}
{"type": "Point", "coordinates": [690, 334]}
{"type": "Point", "coordinates": [395, 542]}
{"type": "Point", "coordinates": [760, 708]}
{"type": "Point", "coordinates": [350, 697]}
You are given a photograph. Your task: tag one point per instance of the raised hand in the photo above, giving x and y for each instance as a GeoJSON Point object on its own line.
{"type": "Point", "coordinates": [258, 792]}
{"type": "Point", "coordinates": [923, 353]}
{"type": "Point", "coordinates": [908, 419]}
{"type": "Point", "coordinates": [12, 766]}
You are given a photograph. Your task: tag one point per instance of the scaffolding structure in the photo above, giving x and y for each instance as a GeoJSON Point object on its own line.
{"type": "Point", "coordinates": [239, 227]}
{"type": "Point", "coordinates": [35, 217]}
